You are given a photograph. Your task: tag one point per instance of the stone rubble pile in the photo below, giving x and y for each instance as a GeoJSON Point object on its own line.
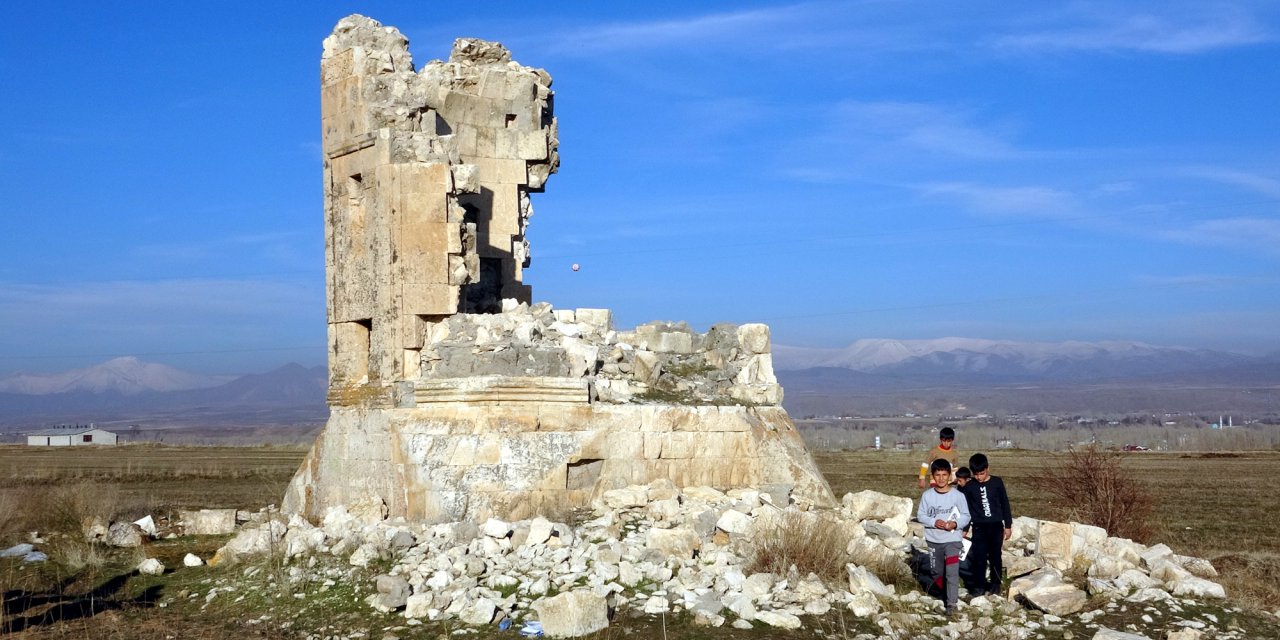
{"type": "Point", "coordinates": [658, 549]}
{"type": "Point", "coordinates": [660, 360]}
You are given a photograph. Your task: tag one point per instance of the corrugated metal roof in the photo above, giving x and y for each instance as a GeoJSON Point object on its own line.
{"type": "Point", "coordinates": [64, 432]}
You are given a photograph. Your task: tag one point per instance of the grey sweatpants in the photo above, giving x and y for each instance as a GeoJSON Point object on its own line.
{"type": "Point", "coordinates": [944, 564]}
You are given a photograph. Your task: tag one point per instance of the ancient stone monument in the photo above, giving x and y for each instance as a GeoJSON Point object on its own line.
{"type": "Point", "coordinates": [451, 395]}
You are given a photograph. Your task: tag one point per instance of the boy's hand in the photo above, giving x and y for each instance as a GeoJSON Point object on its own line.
{"type": "Point", "coordinates": [940, 524]}
{"type": "Point", "coordinates": [1008, 533]}
{"type": "Point", "coordinates": [922, 484]}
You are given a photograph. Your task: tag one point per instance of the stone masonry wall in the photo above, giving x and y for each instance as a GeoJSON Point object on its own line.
{"type": "Point", "coordinates": [655, 362]}
{"type": "Point", "coordinates": [427, 178]}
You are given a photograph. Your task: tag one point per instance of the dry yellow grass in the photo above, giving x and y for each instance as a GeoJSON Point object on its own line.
{"type": "Point", "coordinates": [155, 477]}
{"type": "Point", "coordinates": [801, 542]}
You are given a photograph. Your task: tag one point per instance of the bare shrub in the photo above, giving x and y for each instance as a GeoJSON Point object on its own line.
{"type": "Point", "coordinates": [803, 542]}
{"type": "Point", "coordinates": [77, 554]}
{"type": "Point", "coordinates": [889, 568]}
{"type": "Point", "coordinates": [1251, 577]}
{"type": "Point", "coordinates": [12, 517]}
{"type": "Point", "coordinates": [1093, 488]}
{"type": "Point", "coordinates": [65, 508]}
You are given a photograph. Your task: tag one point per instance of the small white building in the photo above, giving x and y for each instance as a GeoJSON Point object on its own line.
{"type": "Point", "coordinates": [70, 437]}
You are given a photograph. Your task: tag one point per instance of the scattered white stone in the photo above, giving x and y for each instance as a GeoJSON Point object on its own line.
{"type": "Point", "coordinates": [734, 522]}
{"type": "Point", "coordinates": [861, 580]}
{"type": "Point", "coordinates": [1111, 634]}
{"type": "Point", "coordinates": [779, 619]}
{"type": "Point", "coordinates": [123, 534]}
{"type": "Point", "coordinates": [151, 567]}
{"type": "Point", "coordinates": [147, 525]}
{"type": "Point", "coordinates": [656, 604]}
{"type": "Point", "coordinates": [191, 560]}
{"type": "Point", "coordinates": [495, 528]}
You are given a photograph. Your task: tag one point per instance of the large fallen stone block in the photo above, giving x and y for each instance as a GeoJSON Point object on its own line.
{"type": "Point", "coordinates": [1054, 544]}
{"type": "Point", "coordinates": [208, 522]}
{"type": "Point", "coordinates": [679, 542]}
{"type": "Point", "coordinates": [862, 580]}
{"type": "Point", "coordinates": [1045, 590]}
{"type": "Point", "coordinates": [123, 534]}
{"type": "Point", "coordinates": [572, 614]}
{"type": "Point", "coordinates": [1197, 588]}
{"type": "Point", "coordinates": [873, 505]}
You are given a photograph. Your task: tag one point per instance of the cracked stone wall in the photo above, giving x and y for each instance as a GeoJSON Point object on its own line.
{"type": "Point", "coordinates": [427, 176]}
{"type": "Point", "coordinates": [451, 395]}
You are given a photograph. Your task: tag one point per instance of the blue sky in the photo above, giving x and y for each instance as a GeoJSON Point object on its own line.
{"type": "Point", "coordinates": [839, 170]}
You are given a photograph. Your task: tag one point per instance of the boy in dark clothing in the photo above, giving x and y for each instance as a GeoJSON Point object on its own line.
{"type": "Point", "coordinates": [992, 522]}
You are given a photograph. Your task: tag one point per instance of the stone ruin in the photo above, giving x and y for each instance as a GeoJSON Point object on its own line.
{"type": "Point", "coordinates": [453, 397]}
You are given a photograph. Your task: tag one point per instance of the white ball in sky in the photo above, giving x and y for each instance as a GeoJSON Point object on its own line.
{"type": "Point", "coordinates": [575, 266]}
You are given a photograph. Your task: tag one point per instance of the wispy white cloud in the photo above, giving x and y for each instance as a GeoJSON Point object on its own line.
{"type": "Point", "coordinates": [924, 128]}
{"type": "Point", "coordinates": [1195, 279]}
{"type": "Point", "coordinates": [1255, 182]}
{"type": "Point", "coordinates": [1252, 233]}
{"type": "Point", "coordinates": [895, 142]}
{"type": "Point", "coordinates": [137, 304]}
{"type": "Point", "coordinates": [1108, 28]}
{"type": "Point", "coordinates": [50, 324]}
{"type": "Point", "coordinates": [850, 28]}
{"type": "Point", "coordinates": [700, 30]}
{"type": "Point", "coordinates": [1021, 201]}
{"type": "Point", "coordinates": [287, 249]}
{"type": "Point", "coordinates": [1112, 188]}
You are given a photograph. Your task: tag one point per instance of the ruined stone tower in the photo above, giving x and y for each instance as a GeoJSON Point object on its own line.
{"type": "Point", "coordinates": [451, 396]}
{"type": "Point", "coordinates": [427, 177]}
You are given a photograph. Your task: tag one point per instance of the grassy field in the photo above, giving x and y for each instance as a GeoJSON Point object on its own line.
{"type": "Point", "coordinates": [156, 477]}
{"type": "Point", "coordinates": [1212, 505]}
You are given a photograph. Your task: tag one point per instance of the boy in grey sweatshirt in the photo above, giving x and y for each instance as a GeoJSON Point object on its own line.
{"type": "Point", "coordinates": [944, 512]}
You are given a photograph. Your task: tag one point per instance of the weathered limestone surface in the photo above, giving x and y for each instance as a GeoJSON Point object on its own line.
{"type": "Point", "coordinates": [452, 397]}
{"type": "Point", "coordinates": [427, 179]}
{"type": "Point", "coordinates": [453, 461]}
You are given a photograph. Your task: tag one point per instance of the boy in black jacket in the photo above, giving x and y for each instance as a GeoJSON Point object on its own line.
{"type": "Point", "coordinates": [992, 522]}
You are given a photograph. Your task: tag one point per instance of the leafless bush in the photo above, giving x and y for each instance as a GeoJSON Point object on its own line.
{"type": "Point", "coordinates": [65, 508]}
{"type": "Point", "coordinates": [889, 568]}
{"type": "Point", "coordinates": [803, 541]}
{"type": "Point", "coordinates": [1093, 488]}
{"type": "Point", "coordinates": [1251, 577]}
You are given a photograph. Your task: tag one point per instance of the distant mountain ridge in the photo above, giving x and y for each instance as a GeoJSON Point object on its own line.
{"type": "Point", "coordinates": [116, 391]}
{"type": "Point", "coordinates": [127, 376]}
{"type": "Point", "coordinates": [1006, 360]}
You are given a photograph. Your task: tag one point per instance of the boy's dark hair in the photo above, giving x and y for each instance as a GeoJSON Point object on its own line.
{"type": "Point", "coordinates": [941, 464]}
{"type": "Point", "coordinates": [978, 463]}
{"type": "Point", "coordinates": [963, 472]}
{"type": "Point", "coordinates": [947, 433]}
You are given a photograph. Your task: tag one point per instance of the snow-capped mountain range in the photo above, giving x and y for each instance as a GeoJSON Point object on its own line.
{"type": "Point", "coordinates": [126, 376]}
{"type": "Point", "coordinates": [1005, 358]}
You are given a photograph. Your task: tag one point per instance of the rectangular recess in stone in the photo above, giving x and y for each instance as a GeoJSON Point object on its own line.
{"type": "Point", "coordinates": [583, 474]}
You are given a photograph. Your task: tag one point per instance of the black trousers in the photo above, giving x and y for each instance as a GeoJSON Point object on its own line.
{"type": "Point", "coordinates": [984, 556]}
